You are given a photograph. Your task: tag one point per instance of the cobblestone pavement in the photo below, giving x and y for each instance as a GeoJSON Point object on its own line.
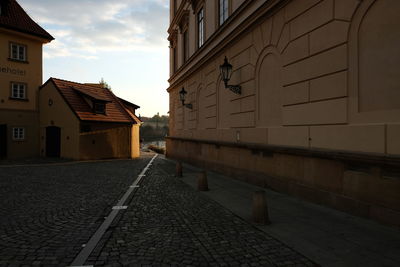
{"type": "Point", "coordinates": [167, 223]}
{"type": "Point", "coordinates": [48, 211]}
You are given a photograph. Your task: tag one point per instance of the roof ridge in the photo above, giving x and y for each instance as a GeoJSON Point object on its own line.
{"type": "Point", "coordinates": [83, 84]}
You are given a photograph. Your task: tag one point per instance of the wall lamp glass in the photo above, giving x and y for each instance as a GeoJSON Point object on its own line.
{"type": "Point", "coordinates": [182, 96]}
{"type": "Point", "coordinates": [226, 73]}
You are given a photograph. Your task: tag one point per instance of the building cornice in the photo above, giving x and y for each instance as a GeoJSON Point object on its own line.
{"type": "Point", "coordinates": [177, 17]}
{"type": "Point", "coordinates": [245, 17]}
{"type": "Point", "coordinates": [24, 35]}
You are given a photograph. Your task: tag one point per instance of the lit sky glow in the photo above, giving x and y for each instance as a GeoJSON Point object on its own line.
{"type": "Point", "coordinates": [122, 41]}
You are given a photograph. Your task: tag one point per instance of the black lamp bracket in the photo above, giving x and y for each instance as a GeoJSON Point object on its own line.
{"type": "Point", "coordinates": [237, 89]}
{"type": "Point", "coordinates": [189, 106]}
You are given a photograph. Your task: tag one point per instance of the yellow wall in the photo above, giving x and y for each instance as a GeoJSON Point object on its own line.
{"type": "Point", "coordinates": [106, 144]}
{"type": "Point", "coordinates": [17, 113]}
{"type": "Point", "coordinates": [30, 73]}
{"type": "Point", "coordinates": [135, 141]}
{"type": "Point", "coordinates": [28, 120]}
{"type": "Point", "coordinates": [58, 114]}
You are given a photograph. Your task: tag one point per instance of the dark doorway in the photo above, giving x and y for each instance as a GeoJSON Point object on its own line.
{"type": "Point", "coordinates": [3, 140]}
{"type": "Point", "coordinates": [53, 141]}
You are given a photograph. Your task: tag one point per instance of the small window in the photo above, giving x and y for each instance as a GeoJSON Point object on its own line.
{"type": "Point", "coordinates": [18, 52]}
{"type": "Point", "coordinates": [223, 11]}
{"type": "Point", "coordinates": [18, 90]}
{"type": "Point", "coordinates": [200, 27]}
{"type": "Point", "coordinates": [99, 108]}
{"type": "Point", "coordinates": [18, 133]}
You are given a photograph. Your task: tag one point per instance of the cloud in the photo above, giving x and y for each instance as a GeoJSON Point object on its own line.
{"type": "Point", "coordinates": [85, 28]}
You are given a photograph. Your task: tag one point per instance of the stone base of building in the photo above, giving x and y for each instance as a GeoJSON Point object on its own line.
{"type": "Point", "coordinates": [360, 184]}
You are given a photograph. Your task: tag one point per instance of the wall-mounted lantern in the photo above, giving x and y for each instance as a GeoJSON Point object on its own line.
{"type": "Point", "coordinates": [226, 73]}
{"type": "Point", "coordinates": [182, 96]}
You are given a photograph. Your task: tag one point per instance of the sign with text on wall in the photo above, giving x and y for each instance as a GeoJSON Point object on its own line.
{"type": "Point", "coordinates": [8, 70]}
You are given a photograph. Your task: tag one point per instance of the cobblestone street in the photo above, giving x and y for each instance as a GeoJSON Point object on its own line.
{"type": "Point", "coordinates": [49, 212]}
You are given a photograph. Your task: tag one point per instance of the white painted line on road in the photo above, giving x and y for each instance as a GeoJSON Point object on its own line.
{"type": "Point", "coordinates": [119, 207]}
{"type": "Point", "coordinates": [94, 240]}
{"type": "Point", "coordinates": [134, 186]}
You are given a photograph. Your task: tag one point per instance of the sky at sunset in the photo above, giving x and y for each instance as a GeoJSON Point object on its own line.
{"type": "Point", "coordinates": [122, 41]}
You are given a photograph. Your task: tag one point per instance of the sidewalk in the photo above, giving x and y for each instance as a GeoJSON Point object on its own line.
{"type": "Point", "coordinates": [326, 236]}
{"type": "Point", "coordinates": [167, 223]}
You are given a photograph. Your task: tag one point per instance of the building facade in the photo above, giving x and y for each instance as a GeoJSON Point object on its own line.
{"type": "Point", "coordinates": [21, 41]}
{"type": "Point", "coordinates": [62, 119]}
{"type": "Point", "coordinates": [86, 121]}
{"type": "Point", "coordinates": [318, 112]}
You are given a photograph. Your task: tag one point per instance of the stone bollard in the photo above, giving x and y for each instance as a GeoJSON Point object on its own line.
{"type": "Point", "coordinates": [260, 208]}
{"type": "Point", "coordinates": [178, 169]}
{"type": "Point", "coordinates": [202, 184]}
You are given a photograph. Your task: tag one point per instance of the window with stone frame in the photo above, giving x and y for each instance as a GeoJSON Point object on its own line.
{"type": "Point", "coordinates": [185, 45]}
{"type": "Point", "coordinates": [200, 27]}
{"type": "Point", "coordinates": [223, 8]}
{"type": "Point", "coordinates": [18, 90]}
{"type": "Point", "coordinates": [175, 56]}
{"type": "Point", "coordinates": [18, 133]}
{"type": "Point", "coordinates": [18, 52]}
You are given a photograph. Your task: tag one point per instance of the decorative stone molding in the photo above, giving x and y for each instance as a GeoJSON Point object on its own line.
{"type": "Point", "coordinates": [172, 38]}
{"type": "Point", "coordinates": [183, 21]}
{"type": "Point", "coordinates": [195, 4]}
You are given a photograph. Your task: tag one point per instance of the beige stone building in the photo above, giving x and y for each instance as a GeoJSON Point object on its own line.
{"type": "Point", "coordinates": [312, 107]}
{"type": "Point", "coordinates": [21, 41]}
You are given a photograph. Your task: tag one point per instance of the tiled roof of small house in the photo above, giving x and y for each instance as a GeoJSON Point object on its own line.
{"type": "Point", "coordinates": [74, 94]}
{"type": "Point", "coordinates": [127, 103]}
{"type": "Point", "coordinates": [133, 116]}
{"type": "Point", "coordinates": [14, 17]}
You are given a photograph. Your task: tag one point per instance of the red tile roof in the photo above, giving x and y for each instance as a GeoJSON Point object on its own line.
{"type": "Point", "coordinates": [133, 116]}
{"type": "Point", "coordinates": [92, 93]}
{"type": "Point", "coordinates": [14, 17]}
{"type": "Point", "coordinates": [129, 104]}
{"type": "Point", "coordinates": [72, 94]}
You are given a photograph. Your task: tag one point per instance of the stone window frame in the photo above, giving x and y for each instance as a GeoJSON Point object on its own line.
{"type": "Point", "coordinates": [18, 58]}
{"type": "Point", "coordinates": [183, 26]}
{"type": "Point", "coordinates": [200, 31]}
{"type": "Point", "coordinates": [218, 13]}
{"type": "Point", "coordinates": [18, 95]}
{"type": "Point", "coordinates": [18, 133]}
{"type": "Point", "coordinates": [185, 45]}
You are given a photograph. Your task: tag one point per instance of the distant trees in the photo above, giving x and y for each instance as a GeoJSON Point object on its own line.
{"type": "Point", "coordinates": [105, 84]}
{"type": "Point", "coordinates": [156, 118]}
{"type": "Point", "coordinates": [154, 128]}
